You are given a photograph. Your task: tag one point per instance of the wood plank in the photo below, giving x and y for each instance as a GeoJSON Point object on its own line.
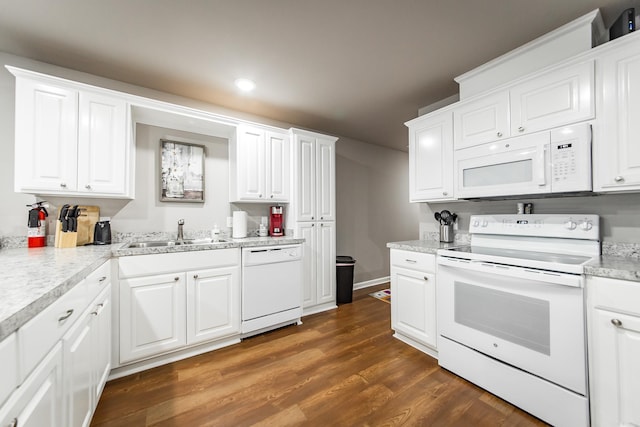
{"type": "Point", "coordinates": [340, 367]}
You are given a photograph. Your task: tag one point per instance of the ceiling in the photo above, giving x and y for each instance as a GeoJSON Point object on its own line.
{"type": "Point", "coordinates": [352, 68]}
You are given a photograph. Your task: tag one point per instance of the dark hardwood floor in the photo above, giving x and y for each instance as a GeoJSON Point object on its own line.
{"type": "Point", "coordinates": [340, 368]}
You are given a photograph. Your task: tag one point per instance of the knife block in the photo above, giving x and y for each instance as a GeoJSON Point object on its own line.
{"type": "Point", "coordinates": [65, 240]}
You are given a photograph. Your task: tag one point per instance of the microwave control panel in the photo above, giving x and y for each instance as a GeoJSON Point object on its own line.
{"type": "Point", "coordinates": [571, 159]}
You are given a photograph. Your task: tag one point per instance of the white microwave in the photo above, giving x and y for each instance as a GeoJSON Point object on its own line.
{"type": "Point", "coordinates": [555, 161]}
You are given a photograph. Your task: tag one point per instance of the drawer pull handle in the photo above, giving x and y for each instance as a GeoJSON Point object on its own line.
{"type": "Point", "coordinates": [88, 187]}
{"type": "Point", "coordinates": [521, 129]}
{"type": "Point", "coordinates": [66, 315]}
{"type": "Point", "coordinates": [411, 261]}
{"type": "Point", "coordinates": [618, 179]}
{"type": "Point", "coordinates": [499, 134]}
{"type": "Point", "coordinates": [425, 278]}
{"type": "Point", "coordinates": [13, 423]}
{"type": "Point", "coordinates": [102, 279]}
{"type": "Point", "coordinates": [176, 278]}
{"type": "Point", "coordinates": [195, 276]}
{"type": "Point", "coordinates": [616, 322]}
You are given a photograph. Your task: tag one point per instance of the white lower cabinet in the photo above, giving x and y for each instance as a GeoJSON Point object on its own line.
{"type": "Point", "coordinates": [614, 351]}
{"type": "Point", "coordinates": [195, 299]}
{"type": "Point", "coordinates": [318, 265]}
{"type": "Point", "coordinates": [413, 299]}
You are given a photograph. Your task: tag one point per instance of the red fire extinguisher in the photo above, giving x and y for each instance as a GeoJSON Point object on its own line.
{"type": "Point", "coordinates": [37, 225]}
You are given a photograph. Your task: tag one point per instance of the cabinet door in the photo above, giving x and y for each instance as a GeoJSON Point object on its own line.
{"type": "Point", "coordinates": [616, 142]}
{"type": "Point", "coordinates": [431, 158]}
{"type": "Point", "coordinates": [101, 342]}
{"type": "Point", "coordinates": [326, 264]}
{"type": "Point", "coordinates": [277, 167]}
{"type": "Point", "coordinates": [38, 401]}
{"type": "Point", "coordinates": [413, 305]}
{"type": "Point", "coordinates": [615, 382]}
{"type": "Point", "coordinates": [102, 145]}
{"type": "Point", "coordinates": [152, 315]}
{"type": "Point", "coordinates": [251, 164]}
{"type": "Point", "coordinates": [213, 304]}
{"type": "Point", "coordinates": [306, 178]}
{"type": "Point", "coordinates": [483, 120]}
{"type": "Point", "coordinates": [307, 231]}
{"type": "Point", "coordinates": [79, 359]}
{"type": "Point", "coordinates": [553, 99]}
{"type": "Point", "coordinates": [325, 180]}
{"type": "Point", "coordinates": [46, 137]}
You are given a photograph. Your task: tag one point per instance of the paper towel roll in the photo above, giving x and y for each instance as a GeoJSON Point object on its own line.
{"type": "Point", "coordinates": [239, 224]}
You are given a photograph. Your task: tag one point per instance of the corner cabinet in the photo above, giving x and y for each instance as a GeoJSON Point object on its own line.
{"type": "Point", "coordinates": [614, 350]}
{"type": "Point", "coordinates": [312, 214]}
{"type": "Point", "coordinates": [259, 165]}
{"type": "Point", "coordinates": [413, 302]}
{"type": "Point", "coordinates": [71, 139]}
{"type": "Point", "coordinates": [431, 157]}
{"type": "Point", "coordinates": [616, 143]}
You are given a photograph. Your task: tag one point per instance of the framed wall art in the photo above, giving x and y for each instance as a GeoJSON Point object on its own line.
{"type": "Point", "coordinates": [182, 172]}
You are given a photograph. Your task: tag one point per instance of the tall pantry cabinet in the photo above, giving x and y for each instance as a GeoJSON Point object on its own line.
{"type": "Point", "coordinates": [312, 216]}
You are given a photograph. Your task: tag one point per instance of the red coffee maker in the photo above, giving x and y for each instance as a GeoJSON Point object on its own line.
{"type": "Point", "coordinates": [276, 221]}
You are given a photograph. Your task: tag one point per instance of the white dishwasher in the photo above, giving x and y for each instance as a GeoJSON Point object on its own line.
{"type": "Point", "coordinates": [271, 287]}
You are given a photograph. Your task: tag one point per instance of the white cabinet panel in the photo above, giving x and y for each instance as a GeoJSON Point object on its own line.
{"type": "Point", "coordinates": [9, 364]}
{"type": "Point", "coordinates": [278, 166]}
{"type": "Point", "coordinates": [213, 304]}
{"type": "Point", "coordinates": [46, 137]}
{"type": "Point", "coordinates": [326, 270]}
{"type": "Point", "coordinates": [306, 179]}
{"type": "Point", "coordinates": [38, 402]}
{"type": "Point", "coordinates": [616, 142]}
{"type": "Point", "coordinates": [152, 315]}
{"type": "Point", "coordinates": [553, 99]}
{"type": "Point", "coordinates": [413, 304]}
{"type": "Point", "coordinates": [79, 358]}
{"type": "Point", "coordinates": [102, 148]}
{"type": "Point", "coordinates": [482, 120]}
{"type": "Point", "coordinates": [307, 231]}
{"type": "Point", "coordinates": [431, 157]}
{"type": "Point", "coordinates": [326, 180]}
{"type": "Point", "coordinates": [251, 165]}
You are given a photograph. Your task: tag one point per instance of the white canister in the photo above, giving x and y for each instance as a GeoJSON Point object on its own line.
{"type": "Point", "coordinates": [239, 224]}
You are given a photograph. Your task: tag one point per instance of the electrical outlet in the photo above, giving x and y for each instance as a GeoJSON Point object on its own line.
{"type": "Point", "coordinates": [229, 221]}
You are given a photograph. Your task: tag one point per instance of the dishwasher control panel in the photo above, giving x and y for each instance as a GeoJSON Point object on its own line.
{"type": "Point", "coordinates": [271, 254]}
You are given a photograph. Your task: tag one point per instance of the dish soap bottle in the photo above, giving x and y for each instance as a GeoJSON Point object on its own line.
{"type": "Point", "coordinates": [215, 233]}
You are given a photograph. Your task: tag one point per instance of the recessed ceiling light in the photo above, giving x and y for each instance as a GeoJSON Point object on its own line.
{"type": "Point", "coordinates": [245, 85]}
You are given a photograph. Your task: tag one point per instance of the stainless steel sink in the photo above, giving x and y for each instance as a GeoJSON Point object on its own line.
{"type": "Point", "coordinates": [165, 243]}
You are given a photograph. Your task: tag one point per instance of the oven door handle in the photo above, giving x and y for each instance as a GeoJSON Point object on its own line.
{"type": "Point", "coordinates": [551, 277]}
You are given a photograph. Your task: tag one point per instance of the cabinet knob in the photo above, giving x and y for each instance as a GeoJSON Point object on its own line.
{"type": "Point", "coordinates": [499, 134]}
{"type": "Point", "coordinates": [507, 145]}
{"type": "Point", "coordinates": [63, 184]}
{"type": "Point", "coordinates": [102, 279]}
{"type": "Point", "coordinates": [272, 196]}
{"type": "Point", "coordinates": [176, 278]}
{"type": "Point", "coordinates": [618, 178]}
{"type": "Point", "coordinates": [444, 193]}
{"type": "Point", "coordinates": [313, 225]}
{"type": "Point", "coordinates": [260, 196]}
{"type": "Point", "coordinates": [195, 276]}
{"type": "Point", "coordinates": [88, 187]}
{"type": "Point", "coordinates": [521, 129]}
{"type": "Point", "coordinates": [321, 217]}
{"type": "Point", "coordinates": [616, 322]}
{"type": "Point", "coordinates": [425, 278]}
{"type": "Point", "coordinates": [13, 423]}
{"type": "Point", "coordinates": [311, 217]}
{"type": "Point", "coordinates": [321, 225]}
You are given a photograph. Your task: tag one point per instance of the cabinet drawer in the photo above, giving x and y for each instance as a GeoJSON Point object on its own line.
{"type": "Point", "coordinates": [142, 265]}
{"type": "Point", "coordinates": [98, 280]}
{"type": "Point", "coordinates": [413, 260]}
{"type": "Point", "coordinates": [40, 334]}
{"type": "Point", "coordinates": [9, 364]}
{"type": "Point", "coordinates": [614, 294]}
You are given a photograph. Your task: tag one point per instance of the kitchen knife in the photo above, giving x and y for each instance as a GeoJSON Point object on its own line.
{"type": "Point", "coordinates": [63, 217]}
{"type": "Point", "coordinates": [72, 221]}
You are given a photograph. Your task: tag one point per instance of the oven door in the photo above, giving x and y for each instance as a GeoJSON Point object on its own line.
{"type": "Point", "coordinates": [530, 319]}
{"type": "Point", "coordinates": [509, 167]}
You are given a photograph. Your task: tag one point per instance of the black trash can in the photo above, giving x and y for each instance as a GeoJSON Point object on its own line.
{"type": "Point", "coordinates": [344, 279]}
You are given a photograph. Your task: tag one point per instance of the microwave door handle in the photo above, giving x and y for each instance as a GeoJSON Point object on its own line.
{"type": "Point", "coordinates": [542, 162]}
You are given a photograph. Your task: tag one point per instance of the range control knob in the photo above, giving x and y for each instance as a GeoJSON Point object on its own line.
{"type": "Point", "coordinates": [485, 222]}
{"type": "Point", "coordinates": [586, 226]}
{"type": "Point", "coordinates": [476, 223]}
{"type": "Point", "coordinates": [570, 225]}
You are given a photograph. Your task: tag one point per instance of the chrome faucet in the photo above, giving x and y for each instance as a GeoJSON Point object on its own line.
{"type": "Point", "coordinates": [180, 230]}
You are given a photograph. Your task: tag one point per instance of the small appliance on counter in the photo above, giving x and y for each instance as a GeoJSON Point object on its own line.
{"type": "Point", "coordinates": [102, 233]}
{"type": "Point", "coordinates": [276, 221]}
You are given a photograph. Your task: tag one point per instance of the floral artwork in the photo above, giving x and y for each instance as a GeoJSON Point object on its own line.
{"type": "Point", "coordinates": [182, 172]}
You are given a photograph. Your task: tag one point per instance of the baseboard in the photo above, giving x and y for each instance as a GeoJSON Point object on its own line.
{"type": "Point", "coordinates": [372, 282]}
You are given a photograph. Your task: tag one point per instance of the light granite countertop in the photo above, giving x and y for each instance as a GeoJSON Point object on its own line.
{"type": "Point", "coordinates": [31, 279]}
{"type": "Point", "coordinates": [610, 266]}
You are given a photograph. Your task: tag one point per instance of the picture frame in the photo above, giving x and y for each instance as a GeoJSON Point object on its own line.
{"type": "Point", "coordinates": [181, 172]}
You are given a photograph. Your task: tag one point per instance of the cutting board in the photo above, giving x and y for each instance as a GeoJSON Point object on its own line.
{"type": "Point", "coordinates": [89, 216]}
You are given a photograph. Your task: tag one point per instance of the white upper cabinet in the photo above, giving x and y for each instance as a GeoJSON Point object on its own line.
{"type": "Point", "coordinates": [616, 144]}
{"type": "Point", "coordinates": [260, 165]}
{"type": "Point", "coordinates": [431, 157]}
{"type": "Point", "coordinates": [483, 120]}
{"type": "Point", "coordinates": [315, 176]}
{"type": "Point", "coordinates": [555, 98]}
{"type": "Point", "coordinates": [545, 101]}
{"type": "Point", "coordinates": [71, 139]}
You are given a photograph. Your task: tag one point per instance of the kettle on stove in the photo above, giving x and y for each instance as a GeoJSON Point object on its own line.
{"type": "Point", "coordinates": [102, 233]}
